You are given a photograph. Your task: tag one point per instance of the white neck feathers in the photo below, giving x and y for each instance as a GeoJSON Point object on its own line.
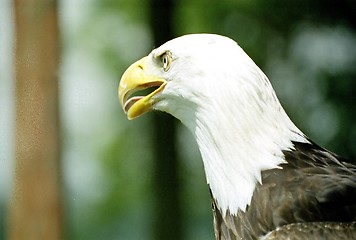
{"type": "Point", "coordinates": [240, 139]}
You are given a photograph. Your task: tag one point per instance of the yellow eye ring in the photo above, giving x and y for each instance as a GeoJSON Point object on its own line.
{"type": "Point", "coordinates": [166, 59]}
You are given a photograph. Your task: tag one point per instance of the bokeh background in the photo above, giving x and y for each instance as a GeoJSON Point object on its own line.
{"type": "Point", "coordinates": [143, 179]}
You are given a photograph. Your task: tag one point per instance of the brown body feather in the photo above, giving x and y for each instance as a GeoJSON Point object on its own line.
{"type": "Point", "coordinates": [315, 189]}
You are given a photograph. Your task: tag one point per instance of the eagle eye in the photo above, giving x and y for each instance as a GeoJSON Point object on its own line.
{"type": "Point", "coordinates": [166, 59]}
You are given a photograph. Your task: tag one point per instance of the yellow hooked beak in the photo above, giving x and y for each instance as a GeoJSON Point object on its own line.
{"type": "Point", "coordinates": [133, 80]}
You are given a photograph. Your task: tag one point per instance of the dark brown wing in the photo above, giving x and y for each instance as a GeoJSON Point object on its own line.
{"type": "Point", "coordinates": [313, 187]}
{"type": "Point", "coordinates": [316, 230]}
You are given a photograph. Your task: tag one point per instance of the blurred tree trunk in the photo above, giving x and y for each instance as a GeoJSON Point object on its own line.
{"type": "Point", "coordinates": [168, 223]}
{"type": "Point", "coordinates": [35, 208]}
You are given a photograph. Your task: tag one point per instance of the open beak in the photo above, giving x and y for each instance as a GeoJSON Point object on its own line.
{"type": "Point", "coordinates": [133, 80]}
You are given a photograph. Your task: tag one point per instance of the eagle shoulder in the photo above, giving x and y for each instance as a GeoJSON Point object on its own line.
{"type": "Point", "coordinates": [314, 191]}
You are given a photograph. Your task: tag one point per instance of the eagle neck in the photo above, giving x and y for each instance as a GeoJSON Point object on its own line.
{"type": "Point", "coordinates": [236, 147]}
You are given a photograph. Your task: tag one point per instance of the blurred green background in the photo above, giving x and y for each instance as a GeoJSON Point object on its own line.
{"type": "Point", "coordinates": [307, 48]}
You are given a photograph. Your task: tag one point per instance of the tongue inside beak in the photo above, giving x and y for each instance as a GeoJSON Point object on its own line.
{"type": "Point", "coordinates": [141, 92]}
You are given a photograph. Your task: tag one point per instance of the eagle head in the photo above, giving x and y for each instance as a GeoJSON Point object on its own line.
{"type": "Point", "coordinates": [191, 73]}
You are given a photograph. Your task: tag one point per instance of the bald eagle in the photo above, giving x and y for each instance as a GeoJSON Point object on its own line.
{"type": "Point", "coordinates": [267, 179]}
